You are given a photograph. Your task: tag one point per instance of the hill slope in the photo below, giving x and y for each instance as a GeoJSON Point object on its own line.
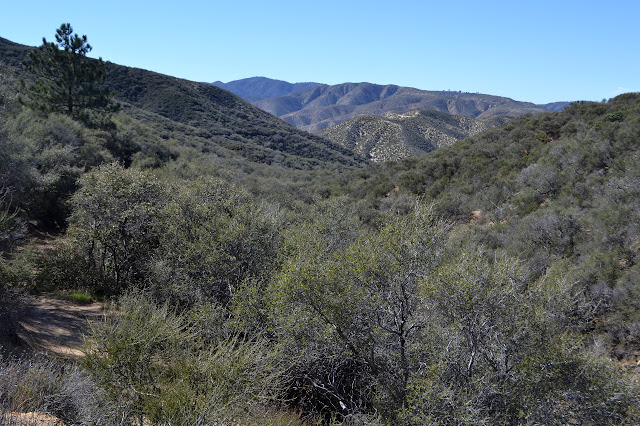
{"type": "Point", "coordinates": [224, 120]}
{"type": "Point", "coordinates": [561, 191]}
{"type": "Point", "coordinates": [325, 106]}
{"type": "Point", "coordinates": [397, 136]}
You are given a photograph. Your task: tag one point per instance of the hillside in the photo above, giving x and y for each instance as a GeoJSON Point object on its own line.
{"type": "Point", "coordinates": [226, 124]}
{"type": "Point", "coordinates": [325, 106]}
{"type": "Point", "coordinates": [411, 134]}
{"type": "Point", "coordinates": [557, 190]}
{"type": "Point", "coordinates": [555, 106]}
{"type": "Point", "coordinates": [224, 119]}
{"type": "Point", "coordinates": [12, 54]}
{"type": "Point", "coordinates": [258, 88]}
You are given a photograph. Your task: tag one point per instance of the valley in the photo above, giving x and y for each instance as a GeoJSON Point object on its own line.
{"type": "Point", "coordinates": [421, 257]}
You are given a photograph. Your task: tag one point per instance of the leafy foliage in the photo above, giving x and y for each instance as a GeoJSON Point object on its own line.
{"type": "Point", "coordinates": [12, 229]}
{"type": "Point", "coordinates": [497, 344]}
{"type": "Point", "coordinates": [112, 234]}
{"type": "Point", "coordinates": [214, 240]}
{"type": "Point", "coordinates": [546, 188]}
{"type": "Point", "coordinates": [363, 291]}
{"type": "Point", "coordinates": [437, 332]}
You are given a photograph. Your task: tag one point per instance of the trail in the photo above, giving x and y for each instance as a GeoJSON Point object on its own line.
{"type": "Point", "coordinates": [55, 326]}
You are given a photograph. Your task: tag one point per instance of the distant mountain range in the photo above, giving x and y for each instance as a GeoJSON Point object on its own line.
{"type": "Point", "coordinates": [411, 134]}
{"type": "Point", "coordinates": [314, 106]}
{"type": "Point", "coordinates": [259, 88]}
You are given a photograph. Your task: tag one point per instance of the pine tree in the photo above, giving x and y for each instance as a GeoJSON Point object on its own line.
{"type": "Point", "coordinates": [66, 81]}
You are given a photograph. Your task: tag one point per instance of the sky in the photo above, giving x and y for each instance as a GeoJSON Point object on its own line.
{"type": "Point", "coordinates": [538, 51]}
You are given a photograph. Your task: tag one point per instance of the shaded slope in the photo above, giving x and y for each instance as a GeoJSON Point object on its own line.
{"type": "Point", "coordinates": [397, 136]}
{"type": "Point", "coordinates": [555, 106]}
{"type": "Point", "coordinates": [12, 54]}
{"type": "Point", "coordinates": [222, 118]}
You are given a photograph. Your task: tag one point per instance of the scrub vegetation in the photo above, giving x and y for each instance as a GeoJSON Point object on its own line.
{"type": "Point", "coordinates": [261, 275]}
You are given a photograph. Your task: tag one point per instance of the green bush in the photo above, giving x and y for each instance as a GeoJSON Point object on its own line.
{"type": "Point", "coordinates": [12, 227]}
{"type": "Point", "coordinates": [112, 231]}
{"type": "Point", "coordinates": [150, 360]}
{"type": "Point", "coordinates": [500, 353]}
{"type": "Point", "coordinates": [352, 294]}
{"type": "Point", "coordinates": [213, 241]}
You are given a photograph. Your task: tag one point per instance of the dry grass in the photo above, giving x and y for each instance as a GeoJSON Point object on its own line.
{"type": "Point", "coordinates": [49, 389]}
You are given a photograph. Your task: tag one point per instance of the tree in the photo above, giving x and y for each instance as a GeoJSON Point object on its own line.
{"type": "Point", "coordinates": [66, 80]}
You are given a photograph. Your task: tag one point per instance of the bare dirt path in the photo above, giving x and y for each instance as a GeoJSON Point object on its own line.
{"type": "Point", "coordinates": [54, 325]}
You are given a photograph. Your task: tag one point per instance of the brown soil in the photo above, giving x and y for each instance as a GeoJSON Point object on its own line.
{"type": "Point", "coordinates": [55, 326]}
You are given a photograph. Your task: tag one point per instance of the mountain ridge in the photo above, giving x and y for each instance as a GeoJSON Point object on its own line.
{"type": "Point", "coordinates": [258, 88]}
{"type": "Point", "coordinates": [323, 106]}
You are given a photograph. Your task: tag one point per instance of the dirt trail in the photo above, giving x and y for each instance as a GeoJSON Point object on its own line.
{"type": "Point", "coordinates": [55, 326]}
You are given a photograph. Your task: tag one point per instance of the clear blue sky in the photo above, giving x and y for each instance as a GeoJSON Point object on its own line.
{"type": "Point", "coordinates": [538, 51]}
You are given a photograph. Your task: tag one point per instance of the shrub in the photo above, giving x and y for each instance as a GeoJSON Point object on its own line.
{"type": "Point", "coordinates": [214, 242]}
{"type": "Point", "coordinates": [150, 360]}
{"type": "Point", "coordinates": [12, 228]}
{"type": "Point", "coordinates": [500, 354]}
{"type": "Point", "coordinates": [52, 387]}
{"type": "Point", "coordinates": [112, 234]}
